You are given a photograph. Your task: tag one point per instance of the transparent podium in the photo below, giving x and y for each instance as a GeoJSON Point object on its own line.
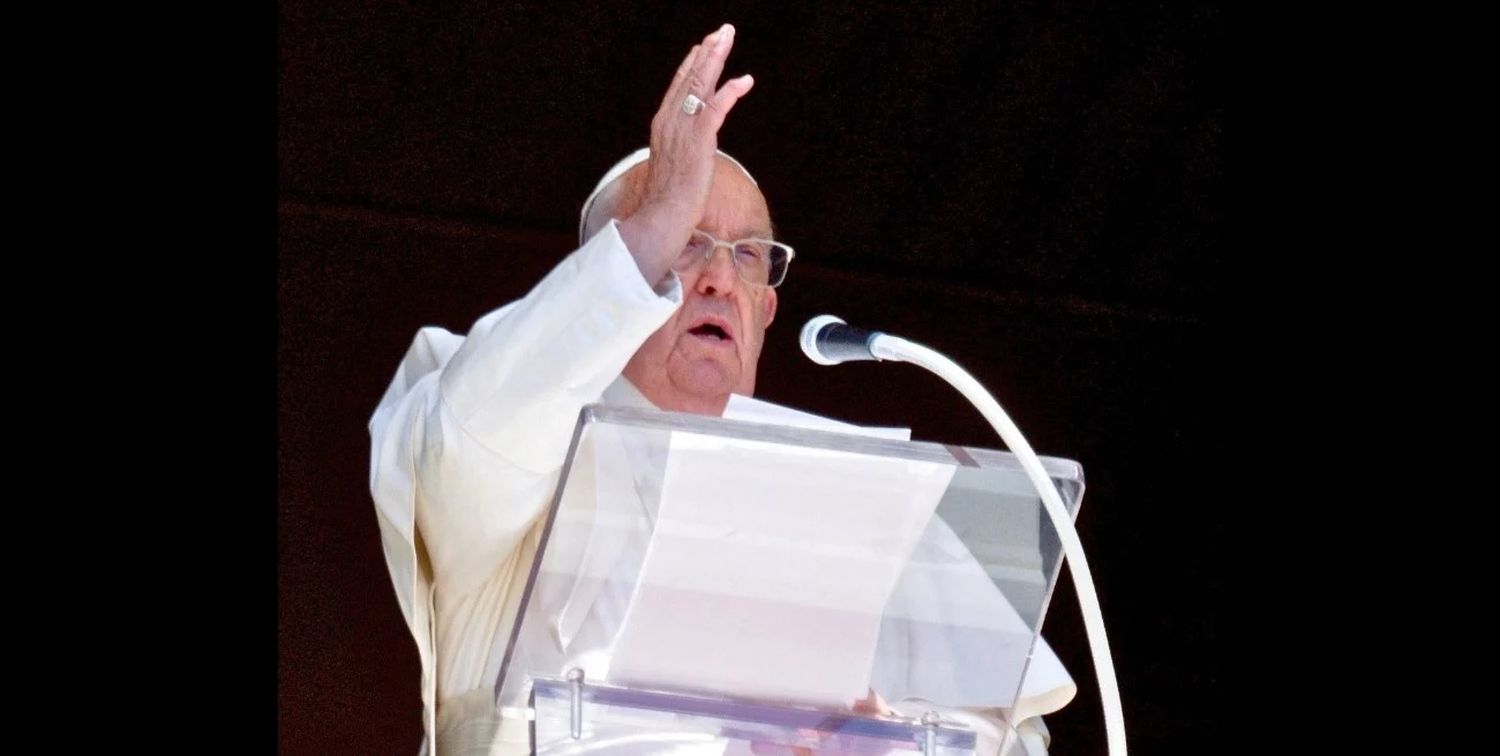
{"type": "Point", "coordinates": [710, 586]}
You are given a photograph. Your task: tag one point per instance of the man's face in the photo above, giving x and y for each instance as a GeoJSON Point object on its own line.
{"type": "Point", "coordinates": [710, 347]}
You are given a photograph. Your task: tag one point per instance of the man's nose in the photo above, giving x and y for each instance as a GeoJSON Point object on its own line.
{"type": "Point", "coordinates": [718, 275]}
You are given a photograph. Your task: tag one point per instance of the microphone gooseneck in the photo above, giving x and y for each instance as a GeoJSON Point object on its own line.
{"type": "Point", "coordinates": [827, 339]}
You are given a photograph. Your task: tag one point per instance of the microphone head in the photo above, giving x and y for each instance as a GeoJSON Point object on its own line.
{"type": "Point", "coordinates": [809, 338]}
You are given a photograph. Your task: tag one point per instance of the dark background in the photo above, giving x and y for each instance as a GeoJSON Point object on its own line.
{"type": "Point", "coordinates": [1036, 190]}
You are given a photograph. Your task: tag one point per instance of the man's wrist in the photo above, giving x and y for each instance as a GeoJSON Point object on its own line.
{"type": "Point", "coordinates": [654, 238]}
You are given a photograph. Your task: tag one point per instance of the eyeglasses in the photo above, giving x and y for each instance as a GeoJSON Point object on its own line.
{"type": "Point", "coordinates": [759, 262]}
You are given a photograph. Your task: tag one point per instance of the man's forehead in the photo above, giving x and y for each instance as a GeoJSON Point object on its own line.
{"type": "Point", "coordinates": [737, 207]}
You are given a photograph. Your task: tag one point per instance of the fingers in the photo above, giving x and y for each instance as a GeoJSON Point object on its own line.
{"type": "Point", "coordinates": [687, 64]}
{"type": "Point", "coordinates": [699, 72]}
{"type": "Point", "coordinates": [704, 75]}
{"type": "Point", "coordinates": [723, 101]}
{"type": "Point", "coordinates": [676, 90]}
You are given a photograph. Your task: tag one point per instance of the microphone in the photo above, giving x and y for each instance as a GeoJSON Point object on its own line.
{"type": "Point", "coordinates": [828, 340]}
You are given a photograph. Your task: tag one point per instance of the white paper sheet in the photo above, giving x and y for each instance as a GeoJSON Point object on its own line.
{"type": "Point", "coordinates": [783, 558]}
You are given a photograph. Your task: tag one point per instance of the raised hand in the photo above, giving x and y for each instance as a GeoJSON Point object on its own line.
{"type": "Point", "coordinates": [684, 136]}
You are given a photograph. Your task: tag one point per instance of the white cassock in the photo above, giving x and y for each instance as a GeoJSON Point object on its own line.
{"type": "Point", "coordinates": [467, 446]}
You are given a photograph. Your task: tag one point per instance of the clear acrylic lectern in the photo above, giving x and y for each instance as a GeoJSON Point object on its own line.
{"type": "Point", "coordinates": [714, 586]}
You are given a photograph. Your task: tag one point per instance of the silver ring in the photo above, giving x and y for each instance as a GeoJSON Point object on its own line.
{"type": "Point", "coordinates": [691, 104]}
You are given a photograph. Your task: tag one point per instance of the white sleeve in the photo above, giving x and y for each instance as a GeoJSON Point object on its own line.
{"type": "Point", "coordinates": [476, 435]}
{"type": "Point", "coordinates": [520, 378]}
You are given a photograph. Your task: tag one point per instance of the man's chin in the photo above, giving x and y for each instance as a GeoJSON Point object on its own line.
{"type": "Point", "coordinates": [704, 379]}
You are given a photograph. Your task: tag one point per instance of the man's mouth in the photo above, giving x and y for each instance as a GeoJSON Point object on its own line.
{"type": "Point", "coordinates": [710, 331]}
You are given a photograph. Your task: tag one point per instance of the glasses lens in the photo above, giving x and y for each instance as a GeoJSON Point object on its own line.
{"type": "Point", "coordinates": [779, 259]}
{"type": "Point", "coordinates": [695, 252]}
{"type": "Point", "coordinates": [753, 259]}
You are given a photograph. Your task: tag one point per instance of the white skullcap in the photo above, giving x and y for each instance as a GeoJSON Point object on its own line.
{"type": "Point", "coordinates": [632, 160]}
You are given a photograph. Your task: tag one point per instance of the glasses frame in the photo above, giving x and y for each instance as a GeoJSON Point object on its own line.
{"type": "Point", "coordinates": [734, 261]}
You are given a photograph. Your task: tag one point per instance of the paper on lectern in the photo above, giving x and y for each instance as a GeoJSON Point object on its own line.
{"type": "Point", "coordinates": [770, 566]}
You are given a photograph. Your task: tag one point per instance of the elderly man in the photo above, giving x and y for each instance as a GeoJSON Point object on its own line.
{"type": "Point", "coordinates": [468, 441]}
